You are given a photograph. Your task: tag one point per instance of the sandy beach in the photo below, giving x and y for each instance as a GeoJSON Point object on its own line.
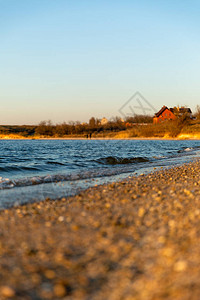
{"type": "Point", "coordinates": [136, 239]}
{"type": "Point", "coordinates": [119, 136]}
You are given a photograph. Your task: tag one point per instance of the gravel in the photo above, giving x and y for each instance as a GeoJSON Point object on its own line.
{"type": "Point", "coordinates": [135, 239]}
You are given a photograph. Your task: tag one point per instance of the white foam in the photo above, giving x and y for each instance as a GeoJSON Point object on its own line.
{"type": "Point", "coordinates": [188, 149]}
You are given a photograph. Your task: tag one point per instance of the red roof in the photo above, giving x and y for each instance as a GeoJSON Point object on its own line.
{"type": "Point", "coordinates": [181, 110]}
{"type": "Point", "coordinates": [161, 111]}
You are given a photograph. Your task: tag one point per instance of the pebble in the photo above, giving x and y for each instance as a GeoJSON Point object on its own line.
{"type": "Point", "coordinates": [59, 290]}
{"type": "Point", "coordinates": [180, 266]}
{"type": "Point", "coordinates": [7, 292]}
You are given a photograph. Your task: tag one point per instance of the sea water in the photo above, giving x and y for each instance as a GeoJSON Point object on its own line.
{"type": "Point", "coordinates": [33, 170]}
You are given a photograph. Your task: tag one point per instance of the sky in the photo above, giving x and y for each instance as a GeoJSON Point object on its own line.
{"type": "Point", "coordinates": [66, 60]}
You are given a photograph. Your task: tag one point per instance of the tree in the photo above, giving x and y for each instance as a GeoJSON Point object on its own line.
{"type": "Point", "coordinates": [45, 128]}
{"type": "Point", "coordinates": [92, 122]}
{"type": "Point", "coordinates": [197, 113]}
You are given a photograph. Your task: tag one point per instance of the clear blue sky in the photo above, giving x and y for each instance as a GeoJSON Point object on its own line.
{"type": "Point", "coordinates": [69, 60]}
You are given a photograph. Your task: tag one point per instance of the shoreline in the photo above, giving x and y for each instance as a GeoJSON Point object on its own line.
{"type": "Point", "coordinates": [133, 239]}
{"type": "Point", "coordinates": [182, 137]}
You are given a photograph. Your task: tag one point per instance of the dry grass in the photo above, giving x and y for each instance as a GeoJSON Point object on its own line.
{"type": "Point", "coordinates": [170, 129]}
{"type": "Point", "coordinates": [11, 136]}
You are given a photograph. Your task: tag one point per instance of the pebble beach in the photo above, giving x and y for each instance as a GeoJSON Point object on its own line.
{"type": "Point", "coordinates": [137, 239]}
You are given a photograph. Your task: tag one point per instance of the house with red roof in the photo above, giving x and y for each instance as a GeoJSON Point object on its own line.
{"type": "Point", "coordinates": [164, 114]}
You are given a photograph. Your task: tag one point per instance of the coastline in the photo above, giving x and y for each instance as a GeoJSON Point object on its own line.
{"type": "Point", "coordinates": [133, 239]}
{"type": "Point", "coordinates": [180, 137]}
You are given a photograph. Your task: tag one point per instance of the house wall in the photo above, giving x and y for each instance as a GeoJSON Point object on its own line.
{"type": "Point", "coordinates": [166, 115]}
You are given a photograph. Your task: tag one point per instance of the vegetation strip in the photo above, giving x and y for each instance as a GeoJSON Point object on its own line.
{"type": "Point", "coordinates": [138, 126]}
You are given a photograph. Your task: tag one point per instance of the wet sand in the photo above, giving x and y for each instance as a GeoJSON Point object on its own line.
{"type": "Point", "coordinates": [135, 239]}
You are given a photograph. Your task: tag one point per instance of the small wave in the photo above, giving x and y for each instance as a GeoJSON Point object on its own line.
{"type": "Point", "coordinates": [8, 169]}
{"type": "Point", "coordinates": [8, 183]}
{"type": "Point", "coordinates": [185, 150]}
{"type": "Point", "coordinates": [112, 160]}
{"type": "Point", "coordinates": [159, 157]}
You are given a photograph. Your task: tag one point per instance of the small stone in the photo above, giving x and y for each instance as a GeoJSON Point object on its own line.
{"type": "Point", "coordinates": [97, 224]}
{"type": "Point", "coordinates": [59, 290]}
{"type": "Point", "coordinates": [188, 193]}
{"type": "Point", "coordinates": [168, 252]}
{"type": "Point", "coordinates": [124, 200]}
{"type": "Point", "coordinates": [7, 291]}
{"type": "Point", "coordinates": [141, 212]}
{"type": "Point", "coordinates": [180, 266]}
{"type": "Point", "coordinates": [161, 239]}
{"type": "Point", "coordinates": [75, 227]}
{"type": "Point", "coordinates": [48, 224]}
{"type": "Point", "coordinates": [172, 223]}
{"type": "Point", "coordinates": [61, 218]}
{"type": "Point", "coordinates": [50, 274]}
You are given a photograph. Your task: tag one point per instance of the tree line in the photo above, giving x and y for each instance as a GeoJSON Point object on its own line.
{"type": "Point", "coordinates": [94, 125]}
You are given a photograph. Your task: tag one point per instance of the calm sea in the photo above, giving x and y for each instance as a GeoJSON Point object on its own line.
{"type": "Point", "coordinates": [32, 170]}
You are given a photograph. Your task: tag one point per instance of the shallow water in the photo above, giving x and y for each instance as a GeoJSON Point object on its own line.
{"type": "Point", "coordinates": [32, 170]}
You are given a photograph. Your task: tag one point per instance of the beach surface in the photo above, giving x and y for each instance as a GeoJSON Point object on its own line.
{"type": "Point", "coordinates": [135, 239]}
{"type": "Point", "coordinates": [118, 136]}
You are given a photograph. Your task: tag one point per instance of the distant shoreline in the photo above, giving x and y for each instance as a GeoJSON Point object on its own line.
{"type": "Point", "coordinates": [112, 131]}
{"type": "Point", "coordinates": [180, 137]}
